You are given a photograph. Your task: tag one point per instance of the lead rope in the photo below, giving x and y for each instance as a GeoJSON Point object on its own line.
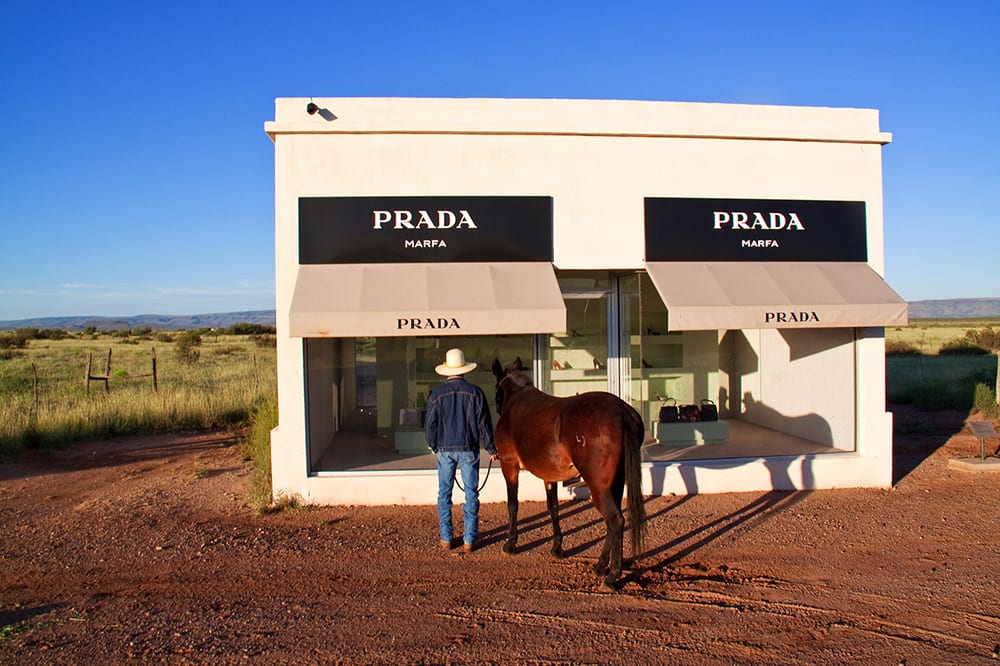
{"type": "Point", "coordinates": [459, 483]}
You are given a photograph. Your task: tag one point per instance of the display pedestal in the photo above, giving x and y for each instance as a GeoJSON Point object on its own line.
{"type": "Point", "coordinates": [690, 434]}
{"type": "Point", "coordinates": [410, 441]}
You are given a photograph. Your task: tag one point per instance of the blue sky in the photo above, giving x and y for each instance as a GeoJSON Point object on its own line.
{"type": "Point", "coordinates": [136, 178]}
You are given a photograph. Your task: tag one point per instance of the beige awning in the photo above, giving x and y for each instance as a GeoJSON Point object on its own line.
{"type": "Point", "coordinates": [735, 295]}
{"type": "Point", "coordinates": [362, 300]}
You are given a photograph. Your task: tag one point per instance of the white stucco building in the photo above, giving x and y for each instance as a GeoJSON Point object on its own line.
{"type": "Point", "coordinates": [666, 252]}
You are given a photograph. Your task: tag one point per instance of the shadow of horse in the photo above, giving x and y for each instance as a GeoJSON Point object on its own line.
{"type": "Point", "coordinates": [18, 616]}
{"type": "Point", "coordinates": [755, 512]}
{"type": "Point", "coordinates": [541, 520]}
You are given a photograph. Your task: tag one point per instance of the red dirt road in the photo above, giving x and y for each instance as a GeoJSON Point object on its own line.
{"type": "Point", "coordinates": [117, 552]}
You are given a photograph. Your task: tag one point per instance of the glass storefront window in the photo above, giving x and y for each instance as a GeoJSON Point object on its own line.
{"type": "Point", "coordinates": [776, 391]}
{"type": "Point", "coordinates": [366, 397]}
{"type": "Point", "coordinates": [771, 388]}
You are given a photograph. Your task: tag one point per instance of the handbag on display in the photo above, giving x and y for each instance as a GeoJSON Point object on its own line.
{"type": "Point", "coordinates": [668, 411]}
{"type": "Point", "coordinates": [709, 410]}
{"type": "Point", "coordinates": [690, 413]}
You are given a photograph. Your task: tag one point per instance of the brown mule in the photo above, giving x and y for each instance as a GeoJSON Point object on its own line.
{"type": "Point", "coordinates": [595, 435]}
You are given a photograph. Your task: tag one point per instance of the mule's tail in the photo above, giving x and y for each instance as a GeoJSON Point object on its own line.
{"type": "Point", "coordinates": [635, 432]}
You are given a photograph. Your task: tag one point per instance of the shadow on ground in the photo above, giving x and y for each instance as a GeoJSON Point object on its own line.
{"type": "Point", "coordinates": [918, 435]}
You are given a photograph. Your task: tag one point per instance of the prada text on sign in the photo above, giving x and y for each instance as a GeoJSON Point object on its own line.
{"type": "Point", "coordinates": [754, 230]}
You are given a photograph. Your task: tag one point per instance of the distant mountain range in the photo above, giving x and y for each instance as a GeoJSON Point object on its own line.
{"type": "Point", "coordinates": [954, 308]}
{"type": "Point", "coordinates": [155, 322]}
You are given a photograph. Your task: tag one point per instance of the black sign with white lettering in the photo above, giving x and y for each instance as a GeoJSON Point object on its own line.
{"type": "Point", "coordinates": [755, 230]}
{"type": "Point", "coordinates": [358, 230]}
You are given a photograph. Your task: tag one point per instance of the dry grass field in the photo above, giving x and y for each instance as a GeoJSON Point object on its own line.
{"type": "Point", "coordinates": [203, 380]}
{"type": "Point", "coordinates": [928, 335]}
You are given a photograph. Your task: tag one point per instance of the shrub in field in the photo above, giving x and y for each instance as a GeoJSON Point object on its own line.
{"type": "Point", "coordinates": [987, 338]}
{"type": "Point", "coordinates": [186, 346]}
{"type": "Point", "coordinates": [900, 348]}
{"type": "Point", "coordinates": [250, 329]}
{"type": "Point", "coordinates": [257, 449]}
{"type": "Point", "coordinates": [41, 333]}
{"type": "Point", "coordinates": [985, 402]}
{"type": "Point", "coordinates": [962, 348]}
{"type": "Point", "coordinates": [13, 340]}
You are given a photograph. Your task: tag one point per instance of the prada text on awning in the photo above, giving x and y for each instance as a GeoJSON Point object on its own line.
{"type": "Point", "coordinates": [737, 295]}
{"type": "Point", "coordinates": [372, 300]}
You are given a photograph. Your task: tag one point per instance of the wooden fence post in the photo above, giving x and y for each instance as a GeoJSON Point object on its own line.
{"type": "Point", "coordinates": [34, 373]}
{"type": "Point", "coordinates": [107, 372]}
{"type": "Point", "coordinates": [86, 377]}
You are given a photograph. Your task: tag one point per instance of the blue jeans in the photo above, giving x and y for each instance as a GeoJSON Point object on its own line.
{"type": "Point", "coordinates": [468, 461]}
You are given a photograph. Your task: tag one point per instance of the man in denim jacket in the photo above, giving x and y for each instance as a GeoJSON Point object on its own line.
{"type": "Point", "coordinates": [457, 420]}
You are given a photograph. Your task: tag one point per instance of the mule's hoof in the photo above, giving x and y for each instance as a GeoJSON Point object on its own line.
{"type": "Point", "coordinates": [558, 553]}
{"type": "Point", "coordinates": [510, 549]}
{"type": "Point", "coordinates": [610, 583]}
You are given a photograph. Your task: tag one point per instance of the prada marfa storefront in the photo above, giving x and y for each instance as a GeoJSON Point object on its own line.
{"type": "Point", "coordinates": [671, 253]}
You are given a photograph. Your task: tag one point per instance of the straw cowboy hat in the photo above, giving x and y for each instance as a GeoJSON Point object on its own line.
{"type": "Point", "coordinates": [454, 364]}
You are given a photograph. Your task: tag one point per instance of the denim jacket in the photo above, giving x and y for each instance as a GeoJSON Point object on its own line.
{"type": "Point", "coordinates": [458, 418]}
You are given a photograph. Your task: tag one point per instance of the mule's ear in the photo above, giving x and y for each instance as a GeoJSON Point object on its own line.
{"type": "Point", "coordinates": [497, 369]}
{"type": "Point", "coordinates": [517, 365]}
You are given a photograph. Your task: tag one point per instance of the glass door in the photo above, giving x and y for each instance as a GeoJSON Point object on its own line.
{"type": "Point", "coordinates": [578, 360]}
{"type": "Point", "coordinates": [651, 358]}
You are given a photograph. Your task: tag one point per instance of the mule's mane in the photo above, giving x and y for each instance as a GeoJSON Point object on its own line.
{"type": "Point", "coordinates": [519, 380]}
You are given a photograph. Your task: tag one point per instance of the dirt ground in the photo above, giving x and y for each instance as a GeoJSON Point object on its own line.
{"type": "Point", "coordinates": [144, 550]}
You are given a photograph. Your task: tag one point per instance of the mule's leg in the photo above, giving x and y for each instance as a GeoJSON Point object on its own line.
{"type": "Point", "coordinates": [511, 478]}
{"type": "Point", "coordinates": [609, 564]}
{"type": "Point", "coordinates": [552, 500]}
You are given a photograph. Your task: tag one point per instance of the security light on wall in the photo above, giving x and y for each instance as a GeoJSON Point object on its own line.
{"type": "Point", "coordinates": [311, 108]}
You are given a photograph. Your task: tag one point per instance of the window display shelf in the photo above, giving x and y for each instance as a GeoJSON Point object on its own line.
{"type": "Point", "coordinates": [690, 434]}
{"type": "Point", "coordinates": [574, 374]}
{"type": "Point", "coordinates": [659, 351]}
{"type": "Point", "coordinates": [577, 341]}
